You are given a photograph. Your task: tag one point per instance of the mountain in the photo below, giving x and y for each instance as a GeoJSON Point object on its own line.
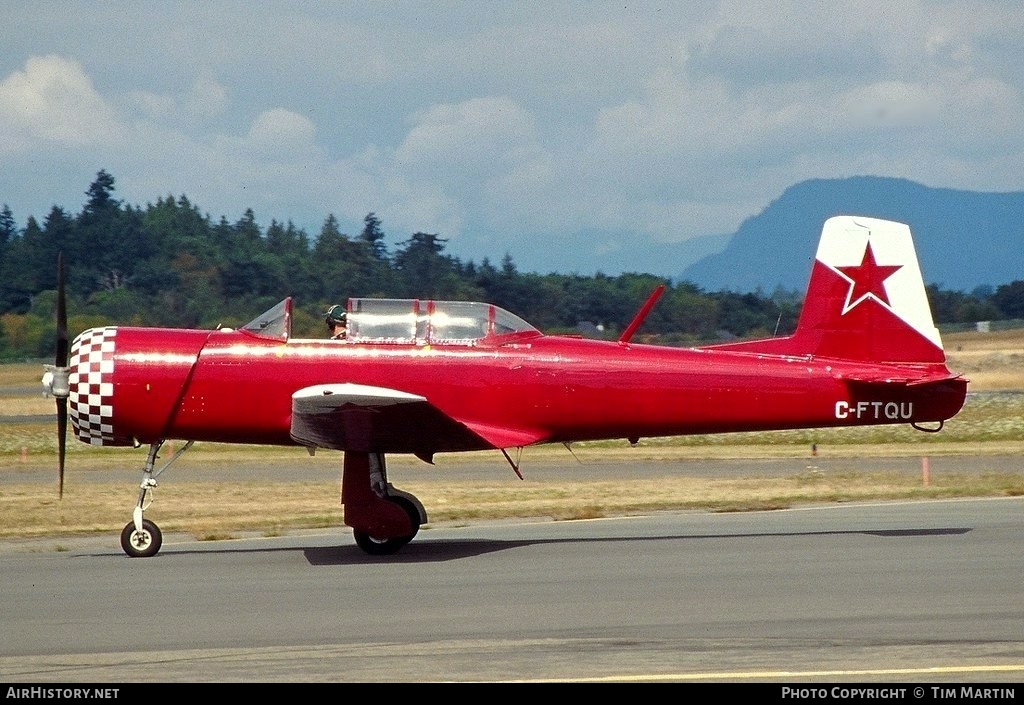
{"type": "Point", "coordinates": [964, 239]}
{"type": "Point", "coordinates": [614, 253]}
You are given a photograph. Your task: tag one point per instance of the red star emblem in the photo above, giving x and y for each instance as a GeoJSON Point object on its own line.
{"type": "Point", "coordinates": [867, 279]}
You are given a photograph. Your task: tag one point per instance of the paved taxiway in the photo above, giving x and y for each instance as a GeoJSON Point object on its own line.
{"type": "Point", "coordinates": [888, 592]}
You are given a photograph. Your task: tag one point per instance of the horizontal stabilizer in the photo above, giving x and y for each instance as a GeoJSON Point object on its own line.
{"type": "Point", "coordinates": [898, 377]}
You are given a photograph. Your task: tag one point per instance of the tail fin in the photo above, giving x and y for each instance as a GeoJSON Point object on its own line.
{"type": "Point", "coordinates": [865, 300]}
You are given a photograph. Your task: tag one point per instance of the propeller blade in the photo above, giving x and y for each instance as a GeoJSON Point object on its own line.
{"type": "Point", "coordinates": [61, 360]}
{"type": "Point", "coordinates": [62, 434]}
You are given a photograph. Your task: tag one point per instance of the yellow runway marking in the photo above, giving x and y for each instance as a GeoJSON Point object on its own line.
{"type": "Point", "coordinates": [790, 675]}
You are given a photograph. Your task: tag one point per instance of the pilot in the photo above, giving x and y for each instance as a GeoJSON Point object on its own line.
{"type": "Point", "coordinates": [337, 322]}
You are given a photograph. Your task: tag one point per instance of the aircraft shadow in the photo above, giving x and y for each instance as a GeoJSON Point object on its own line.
{"type": "Point", "coordinates": [426, 550]}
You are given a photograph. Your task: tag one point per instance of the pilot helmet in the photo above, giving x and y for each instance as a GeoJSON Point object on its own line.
{"type": "Point", "coordinates": [336, 315]}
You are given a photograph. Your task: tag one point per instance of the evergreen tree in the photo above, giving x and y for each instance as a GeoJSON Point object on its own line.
{"type": "Point", "coordinates": [106, 243]}
{"type": "Point", "coordinates": [58, 235]}
{"type": "Point", "coordinates": [100, 195]}
{"type": "Point", "coordinates": [422, 269]}
{"type": "Point", "coordinates": [243, 269]}
{"type": "Point", "coordinates": [13, 293]}
{"type": "Point", "coordinates": [1009, 298]}
{"type": "Point", "coordinates": [374, 236]}
{"type": "Point", "coordinates": [8, 229]}
{"type": "Point", "coordinates": [170, 264]}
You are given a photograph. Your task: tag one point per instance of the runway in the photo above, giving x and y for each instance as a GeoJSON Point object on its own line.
{"type": "Point", "coordinates": [889, 592]}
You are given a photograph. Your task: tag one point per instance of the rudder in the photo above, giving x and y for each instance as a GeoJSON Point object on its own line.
{"type": "Point", "coordinates": [865, 299]}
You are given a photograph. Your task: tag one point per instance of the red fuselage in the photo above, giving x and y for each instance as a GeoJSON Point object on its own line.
{"type": "Point", "coordinates": [236, 387]}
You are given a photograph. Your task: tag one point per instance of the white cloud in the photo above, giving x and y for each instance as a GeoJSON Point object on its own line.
{"type": "Point", "coordinates": [282, 134]}
{"type": "Point", "coordinates": [503, 126]}
{"type": "Point", "coordinates": [190, 110]}
{"type": "Point", "coordinates": [206, 98]}
{"type": "Point", "coordinates": [53, 102]}
{"type": "Point", "coordinates": [478, 137]}
{"type": "Point", "coordinates": [454, 161]}
{"type": "Point", "coordinates": [153, 106]}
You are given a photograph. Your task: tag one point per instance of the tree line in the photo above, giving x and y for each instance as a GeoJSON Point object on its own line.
{"type": "Point", "coordinates": [169, 264]}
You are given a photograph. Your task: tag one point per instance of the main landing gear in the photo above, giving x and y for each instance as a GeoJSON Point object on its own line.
{"type": "Point", "coordinates": [383, 518]}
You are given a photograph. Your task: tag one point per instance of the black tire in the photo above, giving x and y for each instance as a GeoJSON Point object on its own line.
{"type": "Point", "coordinates": [385, 547]}
{"type": "Point", "coordinates": [141, 544]}
{"type": "Point", "coordinates": [414, 517]}
{"type": "Point", "coordinates": [375, 546]}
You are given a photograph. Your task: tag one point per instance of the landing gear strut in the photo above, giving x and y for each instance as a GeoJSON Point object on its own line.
{"type": "Point", "coordinates": [140, 537]}
{"type": "Point", "coordinates": [383, 518]}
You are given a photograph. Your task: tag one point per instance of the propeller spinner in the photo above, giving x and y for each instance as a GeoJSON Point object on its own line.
{"type": "Point", "coordinates": [55, 377]}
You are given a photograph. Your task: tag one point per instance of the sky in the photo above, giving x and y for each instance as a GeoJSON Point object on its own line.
{"type": "Point", "coordinates": [571, 136]}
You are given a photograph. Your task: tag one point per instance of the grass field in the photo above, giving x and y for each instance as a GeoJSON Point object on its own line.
{"type": "Point", "coordinates": [991, 424]}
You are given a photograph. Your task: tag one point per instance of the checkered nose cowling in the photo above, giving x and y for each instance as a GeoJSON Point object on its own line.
{"type": "Point", "coordinates": [91, 382]}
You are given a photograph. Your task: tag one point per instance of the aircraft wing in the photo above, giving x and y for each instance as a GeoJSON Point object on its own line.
{"type": "Point", "coordinates": [377, 419]}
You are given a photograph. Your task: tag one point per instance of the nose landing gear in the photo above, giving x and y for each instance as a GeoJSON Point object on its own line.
{"type": "Point", "coordinates": [142, 538]}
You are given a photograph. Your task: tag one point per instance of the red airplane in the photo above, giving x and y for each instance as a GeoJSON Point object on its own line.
{"type": "Point", "coordinates": [425, 377]}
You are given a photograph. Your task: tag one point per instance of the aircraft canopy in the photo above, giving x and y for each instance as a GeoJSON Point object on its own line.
{"type": "Point", "coordinates": [427, 321]}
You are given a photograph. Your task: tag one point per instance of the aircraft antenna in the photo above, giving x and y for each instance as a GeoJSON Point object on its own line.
{"type": "Point", "coordinates": [513, 463]}
{"type": "Point", "coordinates": [572, 452]}
{"type": "Point", "coordinates": [627, 335]}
